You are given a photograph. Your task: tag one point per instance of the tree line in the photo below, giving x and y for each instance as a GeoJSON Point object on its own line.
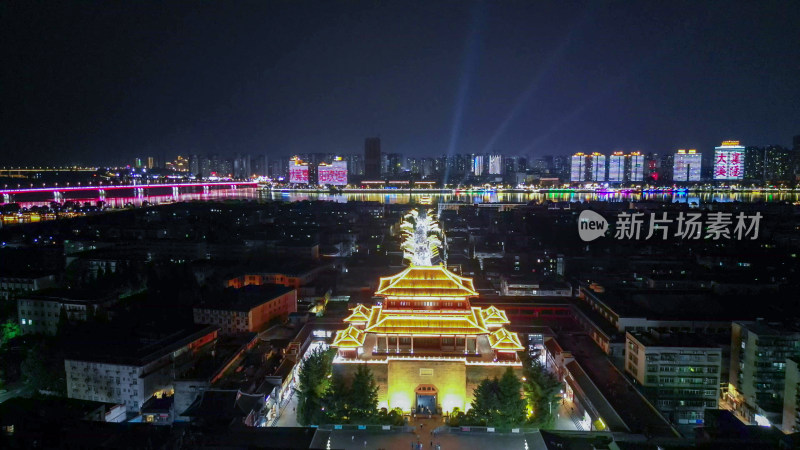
{"type": "Point", "coordinates": [325, 397]}
{"type": "Point", "coordinates": [508, 401]}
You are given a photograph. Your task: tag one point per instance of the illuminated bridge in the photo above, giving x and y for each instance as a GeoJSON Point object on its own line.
{"type": "Point", "coordinates": [138, 190]}
{"type": "Point", "coordinates": [22, 172]}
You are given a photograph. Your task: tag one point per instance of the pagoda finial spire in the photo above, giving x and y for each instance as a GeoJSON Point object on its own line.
{"type": "Point", "coordinates": [421, 243]}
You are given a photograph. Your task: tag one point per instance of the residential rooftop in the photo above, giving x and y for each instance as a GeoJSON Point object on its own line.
{"type": "Point", "coordinates": [654, 339]}
{"type": "Point", "coordinates": [244, 299]}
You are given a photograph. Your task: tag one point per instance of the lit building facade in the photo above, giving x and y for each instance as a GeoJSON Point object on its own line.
{"type": "Point", "coordinates": [635, 167]}
{"type": "Point", "coordinates": [333, 174]}
{"type": "Point", "coordinates": [477, 165]}
{"type": "Point", "coordinates": [598, 167]}
{"type": "Point", "coordinates": [687, 165]}
{"type": "Point", "coordinates": [427, 346]}
{"type": "Point", "coordinates": [495, 164]}
{"type": "Point", "coordinates": [729, 161]}
{"type": "Point", "coordinates": [616, 167]}
{"type": "Point", "coordinates": [592, 167]}
{"type": "Point", "coordinates": [578, 164]}
{"type": "Point", "coordinates": [298, 171]}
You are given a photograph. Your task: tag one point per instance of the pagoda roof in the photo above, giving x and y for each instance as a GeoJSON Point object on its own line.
{"type": "Point", "coordinates": [469, 322]}
{"type": "Point", "coordinates": [494, 316]}
{"type": "Point", "coordinates": [427, 282]}
{"type": "Point", "coordinates": [360, 314]}
{"type": "Point", "coordinates": [503, 339]}
{"type": "Point", "coordinates": [349, 338]}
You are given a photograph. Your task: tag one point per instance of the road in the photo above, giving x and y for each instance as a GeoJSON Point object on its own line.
{"type": "Point", "coordinates": [11, 394]}
{"type": "Point", "coordinates": [288, 415]}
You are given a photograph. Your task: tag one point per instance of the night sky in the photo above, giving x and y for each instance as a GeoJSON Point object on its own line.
{"type": "Point", "coordinates": [91, 83]}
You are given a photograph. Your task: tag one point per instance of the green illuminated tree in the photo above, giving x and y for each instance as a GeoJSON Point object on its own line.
{"type": "Point", "coordinates": [336, 401]}
{"type": "Point", "coordinates": [9, 330]}
{"type": "Point", "coordinates": [496, 403]}
{"type": "Point", "coordinates": [313, 386]}
{"type": "Point", "coordinates": [363, 395]}
{"type": "Point", "coordinates": [485, 404]}
{"type": "Point", "coordinates": [512, 404]}
{"type": "Point", "coordinates": [542, 391]}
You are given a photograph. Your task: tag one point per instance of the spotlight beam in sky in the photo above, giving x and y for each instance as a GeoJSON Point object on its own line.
{"type": "Point", "coordinates": [545, 70]}
{"type": "Point", "coordinates": [468, 67]}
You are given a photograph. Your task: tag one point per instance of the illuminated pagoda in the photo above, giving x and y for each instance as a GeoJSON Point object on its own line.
{"type": "Point", "coordinates": [426, 345]}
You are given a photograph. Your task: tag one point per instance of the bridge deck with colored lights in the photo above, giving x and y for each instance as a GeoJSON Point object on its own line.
{"type": "Point", "coordinates": [124, 186]}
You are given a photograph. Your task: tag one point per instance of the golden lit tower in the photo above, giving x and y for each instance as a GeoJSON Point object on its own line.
{"type": "Point", "coordinates": [428, 347]}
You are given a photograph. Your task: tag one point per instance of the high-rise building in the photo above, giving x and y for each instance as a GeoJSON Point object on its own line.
{"type": "Point", "coordinates": [394, 163]}
{"type": "Point", "coordinates": [543, 165]}
{"type": "Point", "coordinates": [729, 161]}
{"type": "Point", "coordinates": [598, 167]}
{"type": "Point", "coordinates": [333, 174]}
{"type": "Point", "coordinates": [666, 168]}
{"type": "Point", "coordinates": [626, 168]}
{"type": "Point", "coordinates": [206, 167]}
{"type": "Point", "coordinates": [355, 164]}
{"type": "Point", "coordinates": [616, 167]}
{"type": "Point", "coordinates": [372, 158]}
{"type": "Point", "coordinates": [241, 166]}
{"type": "Point", "coordinates": [151, 162]}
{"type": "Point", "coordinates": [279, 168]}
{"type": "Point", "coordinates": [651, 166]}
{"type": "Point", "coordinates": [561, 167]}
{"type": "Point", "coordinates": [758, 368]}
{"type": "Point", "coordinates": [578, 167]}
{"type": "Point", "coordinates": [778, 164]}
{"type": "Point", "coordinates": [495, 164]}
{"type": "Point", "coordinates": [754, 158]}
{"type": "Point", "coordinates": [522, 164]}
{"type": "Point", "coordinates": [687, 165]}
{"type": "Point", "coordinates": [635, 168]}
{"type": "Point", "coordinates": [477, 165]}
{"type": "Point", "coordinates": [298, 171]}
{"type": "Point", "coordinates": [194, 164]}
{"type": "Point", "coordinates": [258, 165]}
{"type": "Point", "coordinates": [414, 165]}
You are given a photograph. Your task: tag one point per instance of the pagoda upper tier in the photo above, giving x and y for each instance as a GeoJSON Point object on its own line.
{"type": "Point", "coordinates": [425, 288]}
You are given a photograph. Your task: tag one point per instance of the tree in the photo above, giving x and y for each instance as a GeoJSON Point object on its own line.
{"type": "Point", "coordinates": [8, 331]}
{"type": "Point", "coordinates": [63, 321]}
{"type": "Point", "coordinates": [541, 389]}
{"type": "Point", "coordinates": [336, 401]}
{"type": "Point", "coordinates": [42, 370]}
{"type": "Point", "coordinates": [485, 403]}
{"type": "Point", "coordinates": [313, 386]}
{"type": "Point", "coordinates": [512, 404]}
{"type": "Point", "coordinates": [363, 394]}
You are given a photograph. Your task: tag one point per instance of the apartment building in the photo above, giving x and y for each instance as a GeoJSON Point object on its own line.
{"type": "Point", "coordinates": [679, 373]}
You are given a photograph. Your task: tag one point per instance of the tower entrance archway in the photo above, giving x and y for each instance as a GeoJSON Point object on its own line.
{"type": "Point", "coordinates": [426, 399]}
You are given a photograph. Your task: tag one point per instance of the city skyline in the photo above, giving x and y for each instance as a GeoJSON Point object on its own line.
{"type": "Point", "coordinates": [114, 83]}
